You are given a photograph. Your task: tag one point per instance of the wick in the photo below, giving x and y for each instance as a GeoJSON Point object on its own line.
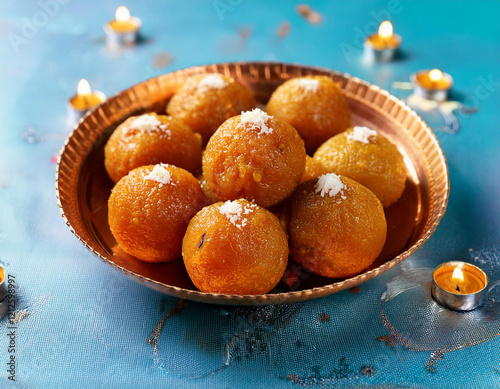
{"type": "Point", "coordinates": [458, 288]}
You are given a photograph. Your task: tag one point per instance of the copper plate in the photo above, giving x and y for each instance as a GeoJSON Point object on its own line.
{"type": "Point", "coordinates": [83, 186]}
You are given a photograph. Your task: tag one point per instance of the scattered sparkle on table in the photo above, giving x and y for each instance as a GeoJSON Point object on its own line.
{"type": "Point", "coordinates": [384, 45]}
{"type": "Point", "coordinates": [123, 30]}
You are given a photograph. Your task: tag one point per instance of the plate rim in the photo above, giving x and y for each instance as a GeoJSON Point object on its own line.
{"type": "Point", "coordinates": [281, 297]}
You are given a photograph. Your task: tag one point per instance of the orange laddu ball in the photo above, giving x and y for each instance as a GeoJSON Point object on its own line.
{"type": "Point", "coordinates": [205, 101]}
{"type": "Point", "coordinates": [314, 105]}
{"type": "Point", "coordinates": [337, 227]}
{"type": "Point", "coordinates": [235, 247]}
{"type": "Point", "coordinates": [150, 208]}
{"type": "Point", "coordinates": [150, 139]}
{"type": "Point", "coordinates": [368, 158]}
{"type": "Point", "coordinates": [256, 157]}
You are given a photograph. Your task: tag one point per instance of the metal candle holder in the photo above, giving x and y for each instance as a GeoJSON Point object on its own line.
{"type": "Point", "coordinates": [385, 54]}
{"type": "Point", "coordinates": [116, 38]}
{"type": "Point", "coordinates": [75, 114]}
{"type": "Point", "coordinates": [3, 293]}
{"type": "Point", "coordinates": [458, 301]}
{"type": "Point", "coordinates": [436, 94]}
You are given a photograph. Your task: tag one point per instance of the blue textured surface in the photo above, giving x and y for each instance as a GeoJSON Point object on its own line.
{"type": "Point", "coordinates": [87, 325]}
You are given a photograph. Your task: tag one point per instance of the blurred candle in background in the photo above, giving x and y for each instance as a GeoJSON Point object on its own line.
{"type": "Point", "coordinates": [382, 46]}
{"type": "Point", "coordinates": [432, 84]}
{"type": "Point", "coordinates": [123, 30]}
{"type": "Point", "coordinates": [83, 101]}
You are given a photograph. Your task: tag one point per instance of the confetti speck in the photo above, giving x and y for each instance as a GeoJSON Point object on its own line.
{"type": "Point", "coordinates": [284, 29]}
{"type": "Point", "coordinates": [324, 317]}
{"type": "Point", "coordinates": [309, 14]}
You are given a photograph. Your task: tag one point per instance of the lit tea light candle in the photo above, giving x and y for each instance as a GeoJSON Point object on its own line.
{"type": "Point", "coordinates": [3, 293]}
{"type": "Point", "coordinates": [382, 46]}
{"type": "Point", "coordinates": [85, 100]}
{"type": "Point", "coordinates": [432, 84]}
{"type": "Point", "coordinates": [123, 30]}
{"type": "Point", "coordinates": [459, 285]}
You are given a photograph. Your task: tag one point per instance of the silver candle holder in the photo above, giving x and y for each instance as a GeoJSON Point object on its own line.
{"type": "Point", "coordinates": [85, 100]}
{"type": "Point", "coordinates": [382, 46]}
{"type": "Point", "coordinates": [124, 30]}
{"type": "Point", "coordinates": [459, 286]}
{"type": "Point", "coordinates": [3, 293]}
{"type": "Point", "coordinates": [432, 84]}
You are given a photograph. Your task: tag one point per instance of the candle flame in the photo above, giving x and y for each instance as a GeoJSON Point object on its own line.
{"type": "Point", "coordinates": [385, 30]}
{"type": "Point", "coordinates": [84, 88]}
{"type": "Point", "coordinates": [458, 275]}
{"type": "Point", "coordinates": [436, 75]}
{"type": "Point", "coordinates": [122, 14]}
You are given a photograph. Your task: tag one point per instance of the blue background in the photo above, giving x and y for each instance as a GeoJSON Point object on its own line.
{"type": "Point", "coordinates": [87, 325]}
